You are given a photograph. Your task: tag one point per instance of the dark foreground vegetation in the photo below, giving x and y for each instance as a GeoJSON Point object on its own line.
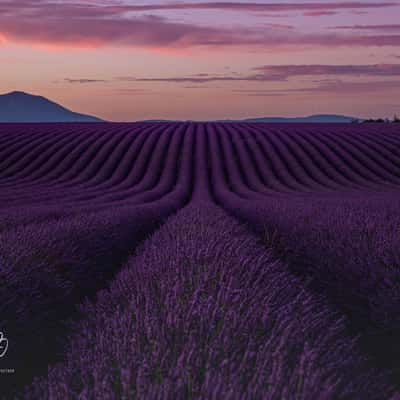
{"type": "Point", "coordinates": [200, 261]}
{"type": "Point", "coordinates": [395, 120]}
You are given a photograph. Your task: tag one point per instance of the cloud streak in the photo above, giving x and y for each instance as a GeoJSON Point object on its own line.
{"type": "Point", "coordinates": [319, 13]}
{"type": "Point", "coordinates": [258, 7]}
{"type": "Point", "coordinates": [332, 87]}
{"type": "Point", "coordinates": [387, 27]}
{"type": "Point", "coordinates": [288, 71]}
{"type": "Point", "coordinates": [83, 81]}
{"type": "Point", "coordinates": [281, 73]}
{"type": "Point", "coordinates": [90, 25]}
{"type": "Point", "coordinates": [96, 9]}
{"type": "Point", "coordinates": [70, 9]}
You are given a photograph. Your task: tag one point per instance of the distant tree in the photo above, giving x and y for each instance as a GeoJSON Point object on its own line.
{"type": "Point", "coordinates": [396, 119]}
{"type": "Point", "coordinates": [371, 120]}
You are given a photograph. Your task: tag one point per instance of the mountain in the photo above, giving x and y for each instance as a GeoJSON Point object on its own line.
{"type": "Point", "coordinates": [328, 118]}
{"type": "Point", "coordinates": [25, 107]}
{"type": "Point", "coordinates": [322, 118]}
{"type": "Point", "coordinates": [159, 120]}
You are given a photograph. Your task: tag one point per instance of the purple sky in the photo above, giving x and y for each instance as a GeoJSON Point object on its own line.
{"type": "Point", "coordinates": [130, 60]}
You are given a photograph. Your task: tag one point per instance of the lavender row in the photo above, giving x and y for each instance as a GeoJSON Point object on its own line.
{"type": "Point", "coordinates": [210, 316]}
{"type": "Point", "coordinates": [156, 178]}
{"type": "Point", "coordinates": [89, 165]}
{"type": "Point", "coordinates": [48, 267]}
{"type": "Point", "coordinates": [350, 250]}
{"type": "Point", "coordinates": [346, 242]}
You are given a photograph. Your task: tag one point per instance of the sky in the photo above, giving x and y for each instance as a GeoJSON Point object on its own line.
{"type": "Point", "coordinates": [201, 60]}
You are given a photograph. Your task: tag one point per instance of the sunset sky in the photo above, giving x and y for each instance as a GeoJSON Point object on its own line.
{"type": "Point", "coordinates": [133, 60]}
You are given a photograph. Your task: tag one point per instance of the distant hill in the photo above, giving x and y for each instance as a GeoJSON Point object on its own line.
{"type": "Point", "coordinates": [323, 118]}
{"type": "Point", "coordinates": [25, 107]}
{"type": "Point", "coordinates": [159, 120]}
{"type": "Point", "coordinates": [328, 118]}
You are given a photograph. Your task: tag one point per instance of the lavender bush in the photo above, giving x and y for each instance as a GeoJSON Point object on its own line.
{"type": "Point", "coordinates": [210, 316]}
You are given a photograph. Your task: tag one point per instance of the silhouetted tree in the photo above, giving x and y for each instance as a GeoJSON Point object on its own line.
{"type": "Point", "coordinates": [371, 120]}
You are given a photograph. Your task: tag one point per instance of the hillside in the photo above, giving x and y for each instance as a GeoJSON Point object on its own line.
{"type": "Point", "coordinates": [25, 107]}
{"type": "Point", "coordinates": [322, 118]}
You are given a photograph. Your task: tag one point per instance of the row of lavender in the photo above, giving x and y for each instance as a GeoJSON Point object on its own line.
{"type": "Point", "coordinates": [204, 312]}
{"type": "Point", "coordinates": [344, 240]}
{"type": "Point", "coordinates": [75, 201]}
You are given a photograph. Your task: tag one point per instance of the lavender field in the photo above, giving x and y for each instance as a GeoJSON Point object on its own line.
{"type": "Point", "coordinates": [200, 261]}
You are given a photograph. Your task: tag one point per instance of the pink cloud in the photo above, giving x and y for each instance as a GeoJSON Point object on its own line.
{"type": "Point", "coordinates": [105, 9]}
{"type": "Point", "coordinates": [117, 8]}
{"type": "Point", "coordinates": [89, 25]}
{"type": "Point", "coordinates": [352, 88]}
{"type": "Point", "coordinates": [385, 27]}
{"type": "Point", "coordinates": [253, 6]}
{"type": "Point", "coordinates": [282, 73]}
{"type": "Point", "coordinates": [336, 87]}
{"type": "Point", "coordinates": [319, 13]}
{"type": "Point", "coordinates": [84, 80]}
{"type": "Point", "coordinates": [287, 71]}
